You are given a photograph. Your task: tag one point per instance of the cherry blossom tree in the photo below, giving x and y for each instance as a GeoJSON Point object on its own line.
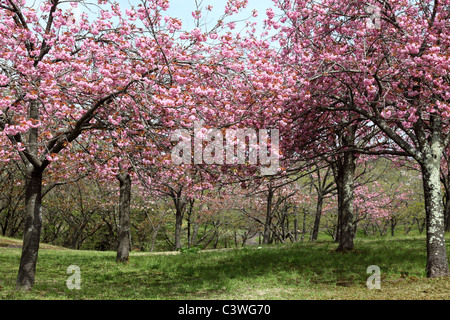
{"type": "Point", "coordinates": [392, 71]}
{"type": "Point", "coordinates": [61, 78]}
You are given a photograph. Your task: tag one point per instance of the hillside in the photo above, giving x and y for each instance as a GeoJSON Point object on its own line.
{"type": "Point", "coordinates": [12, 243]}
{"type": "Point", "coordinates": [287, 272]}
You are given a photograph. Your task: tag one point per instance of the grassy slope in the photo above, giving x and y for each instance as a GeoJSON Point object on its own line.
{"type": "Point", "coordinates": [294, 271]}
{"type": "Point", "coordinates": [6, 242]}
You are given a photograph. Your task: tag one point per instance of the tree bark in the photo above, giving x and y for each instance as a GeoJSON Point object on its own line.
{"type": "Point", "coordinates": [445, 178]}
{"type": "Point", "coordinates": [337, 234]}
{"type": "Point", "coordinates": [447, 215]}
{"type": "Point", "coordinates": [305, 212]}
{"type": "Point", "coordinates": [268, 222]}
{"type": "Point", "coordinates": [296, 227]}
{"type": "Point", "coordinates": [346, 186]}
{"type": "Point", "coordinates": [194, 235]}
{"type": "Point", "coordinates": [319, 206]}
{"type": "Point", "coordinates": [32, 233]}
{"type": "Point", "coordinates": [189, 231]}
{"type": "Point", "coordinates": [393, 223]}
{"type": "Point", "coordinates": [437, 264]}
{"type": "Point", "coordinates": [154, 236]}
{"type": "Point", "coordinates": [123, 249]}
{"type": "Point", "coordinates": [180, 207]}
{"type": "Point", "coordinates": [446, 199]}
{"type": "Point", "coordinates": [33, 209]}
{"type": "Point", "coordinates": [179, 213]}
{"type": "Point", "coordinates": [189, 221]}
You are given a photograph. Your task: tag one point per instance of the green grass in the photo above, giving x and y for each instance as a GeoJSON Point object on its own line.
{"type": "Point", "coordinates": [291, 271]}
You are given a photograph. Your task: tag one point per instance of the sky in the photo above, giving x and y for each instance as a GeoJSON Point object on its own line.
{"type": "Point", "coordinates": [183, 9]}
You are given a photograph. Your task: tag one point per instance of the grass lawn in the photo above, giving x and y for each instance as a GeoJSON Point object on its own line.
{"type": "Point", "coordinates": [290, 271]}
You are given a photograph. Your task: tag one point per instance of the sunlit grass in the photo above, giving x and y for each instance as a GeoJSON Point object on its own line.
{"type": "Point", "coordinates": [289, 271]}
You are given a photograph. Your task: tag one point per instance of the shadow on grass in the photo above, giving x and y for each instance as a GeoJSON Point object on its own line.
{"type": "Point", "coordinates": [299, 264]}
{"type": "Point", "coordinates": [206, 274]}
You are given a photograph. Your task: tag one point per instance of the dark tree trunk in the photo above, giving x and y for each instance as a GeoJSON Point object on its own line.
{"type": "Point", "coordinates": [304, 225]}
{"type": "Point", "coordinates": [337, 234]}
{"type": "Point", "coordinates": [445, 178]}
{"type": "Point", "coordinates": [124, 236]}
{"type": "Point", "coordinates": [287, 233]}
{"type": "Point", "coordinates": [447, 214]}
{"type": "Point", "coordinates": [178, 226]}
{"type": "Point", "coordinates": [33, 210]}
{"type": "Point", "coordinates": [216, 241]}
{"type": "Point", "coordinates": [179, 213]}
{"type": "Point", "coordinates": [296, 227]}
{"type": "Point", "coordinates": [32, 232]}
{"type": "Point", "coordinates": [180, 207]}
{"type": "Point", "coordinates": [346, 184]}
{"type": "Point", "coordinates": [268, 222]}
{"type": "Point", "coordinates": [189, 221]}
{"type": "Point", "coordinates": [319, 206]}
{"type": "Point", "coordinates": [393, 223]}
{"type": "Point", "coordinates": [189, 231]}
{"type": "Point", "coordinates": [446, 203]}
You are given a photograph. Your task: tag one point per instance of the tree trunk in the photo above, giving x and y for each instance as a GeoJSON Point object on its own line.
{"type": "Point", "coordinates": [154, 236]}
{"type": "Point", "coordinates": [287, 231]}
{"type": "Point", "coordinates": [337, 233]}
{"type": "Point", "coordinates": [75, 241]}
{"type": "Point", "coordinates": [178, 225]}
{"type": "Point", "coordinates": [266, 234]}
{"type": "Point", "coordinates": [346, 183]}
{"type": "Point", "coordinates": [305, 212]}
{"type": "Point", "coordinates": [32, 232]}
{"type": "Point", "coordinates": [447, 211]}
{"type": "Point", "coordinates": [245, 237]}
{"type": "Point", "coordinates": [194, 235]}
{"type": "Point", "coordinates": [216, 241]}
{"type": "Point", "coordinates": [189, 231]}
{"type": "Point", "coordinates": [393, 224]}
{"type": "Point", "coordinates": [296, 227]}
{"type": "Point", "coordinates": [437, 264]}
{"type": "Point", "coordinates": [319, 206]}
{"type": "Point", "coordinates": [445, 177]}
{"type": "Point", "coordinates": [123, 250]}
{"type": "Point", "coordinates": [180, 206]}
{"type": "Point", "coordinates": [189, 221]}
{"type": "Point", "coordinates": [447, 216]}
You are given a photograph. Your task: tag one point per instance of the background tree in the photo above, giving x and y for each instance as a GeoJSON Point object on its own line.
{"type": "Point", "coordinates": [59, 79]}
{"type": "Point", "coordinates": [393, 75]}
